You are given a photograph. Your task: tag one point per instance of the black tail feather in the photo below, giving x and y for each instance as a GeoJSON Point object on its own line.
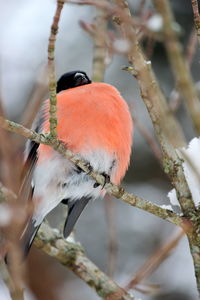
{"type": "Point", "coordinates": [28, 237]}
{"type": "Point", "coordinates": [75, 208]}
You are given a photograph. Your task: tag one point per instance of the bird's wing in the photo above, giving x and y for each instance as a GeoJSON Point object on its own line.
{"type": "Point", "coordinates": [27, 187]}
{"type": "Point", "coordinates": [31, 148]}
{"type": "Point", "coordinates": [75, 208]}
{"type": "Point", "coordinates": [28, 236]}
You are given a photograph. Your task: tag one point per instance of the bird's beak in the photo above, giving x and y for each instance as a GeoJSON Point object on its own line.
{"type": "Point", "coordinates": [81, 80]}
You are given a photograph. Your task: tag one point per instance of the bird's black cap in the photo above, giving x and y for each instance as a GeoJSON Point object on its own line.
{"type": "Point", "coordinates": [71, 80]}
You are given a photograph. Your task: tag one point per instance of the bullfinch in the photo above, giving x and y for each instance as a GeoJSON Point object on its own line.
{"type": "Point", "coordinates": [94, 122]}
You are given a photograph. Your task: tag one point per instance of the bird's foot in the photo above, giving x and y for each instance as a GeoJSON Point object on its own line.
{"type": "Point", "coordinates": [80, 170]}
{"type": "Point", "coordinates": [106, 180]}
{"type": "Point", "coordinates": [89, 167]}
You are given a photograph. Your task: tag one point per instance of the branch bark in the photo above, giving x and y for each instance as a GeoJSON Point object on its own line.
{"type": "Point", "coordinates": [51, 68]}
{"type": "Point", "coordinates": [72, 256]}
{"type": "Point", "coordinates": [179, 65]}
{"type": "Point", "coordinates": [167, 128]}
{"type": "Point", "coordinates": [111, 188]}
{"type": "Point", "coordinates": [195, 8]}
{"type": "Point", "coordinates": [99, 36]}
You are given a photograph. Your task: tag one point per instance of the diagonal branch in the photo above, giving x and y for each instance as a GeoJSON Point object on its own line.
{"type": "Point", "coordinates": [160, 116]}
{"type": "Point", "coordinates": [155, 259]}
{"type": "Point", "coordinates": [72, 256]}
{"type": "Point", "coordinates": [51, 68]}
{"type": "Point", "coordinates": [167, 128]}
{"type": "Point", "coordinates": [111, 188]}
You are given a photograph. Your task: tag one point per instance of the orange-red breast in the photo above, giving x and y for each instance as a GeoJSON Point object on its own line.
{"type": "Point", "coordinates": [93, 121]}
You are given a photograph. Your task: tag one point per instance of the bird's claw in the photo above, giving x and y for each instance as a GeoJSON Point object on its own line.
{"type": "Point", "coordinates": [106, 180]}
{"type": "Point", "coordinates": [89, 168]}
{"type": "Point", "coordinates": [96, 185]}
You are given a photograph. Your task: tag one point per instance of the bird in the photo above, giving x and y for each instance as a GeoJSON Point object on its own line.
{"type": "Point", "coordinates": [95, 123]}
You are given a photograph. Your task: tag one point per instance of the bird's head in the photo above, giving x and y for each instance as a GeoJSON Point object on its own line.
{"type": "Point", "coordinates": [71, 80]}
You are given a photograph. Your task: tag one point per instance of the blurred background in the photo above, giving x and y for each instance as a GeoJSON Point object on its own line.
{"type": "Point", "coordinates": [133, 235]}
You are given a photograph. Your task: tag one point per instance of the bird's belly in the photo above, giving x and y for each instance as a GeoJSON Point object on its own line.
{"type": "Point", "coordinates": [58, 179]}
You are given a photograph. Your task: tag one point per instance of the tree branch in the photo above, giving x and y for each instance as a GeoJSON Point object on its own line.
{"type": "Point", "coordinates": [111, 188]}
{"type": "Point", "coordinates": [179, 65]}
{"type": "Point", "coordinates": [51, 68]}
{"type": "Point", "coordinates": [72, 256]}
{"type": "Point", "coordinates": [99, 36]}
{"type": "Point", "coordinates": [160, 116]}
{"type": "Point", "coordinates": [155, 259]}
{"type": "Point", "coordinates": [166, 127]}
{"type": "Point", "coordinates": [195, 8]}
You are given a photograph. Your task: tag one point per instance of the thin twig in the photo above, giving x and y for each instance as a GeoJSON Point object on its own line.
{"type": "Point", "coordinates": [149, 139]}
{"type": "Point", "coordinates": [195, 8]}
{"type": "Point", "coordinates": [145, 132]}
{"type": "Point", "coordinates": [179, 65]}
{"type": "Point", "coordinates": [72, 256]}
{"type": "Point", "coordinates": [110, 213]}
{"type": "Point", "coordinates": [191, 47]}
{"type": "Point", "coordinates": [11, 180]}
{"type": "Point", "coordinates": [99, 34]}
{"type": "Point", "coordinates": [155, 260]}
{"type": "Point", "coordinates": [51, 67]}
{"type": "Point", "coordinates": [162, 121]}
{"type": "Point", "coordinates": [175, 99]}
{"type": "Point", "coordinates": [167, 129]}
{"type": "Point", "coordinates": [100, 37]}
{"type": "Point", "coordinates": [111, 188]}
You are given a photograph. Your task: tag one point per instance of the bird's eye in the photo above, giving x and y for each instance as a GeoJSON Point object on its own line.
{"type": "Point", "coordinates": [80, 79]}
{"type": "Point", "coordinates": [79, 76]}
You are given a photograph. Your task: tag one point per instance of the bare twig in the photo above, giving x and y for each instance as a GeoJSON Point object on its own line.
{"type": "Point", "coordinates": [155, 260]}
{"type": "Point", "coordinates": [111, 188]}
{"type": "Point", "coordinates": [191, 47]}
{"type": "Point", "coordinates": [110, 213]}
{"type": "Point", "coordinates": [167, 129]}
{"type": "Point", "coordinates": [149, 139]}
{"type": "Point", "coordinates": [168, 132]}
{"type": "Point", "coordinates": [11, 180]}
{"type": "Point", "coordinates": [179, 65]}
{"type": "Point", "coordinates": [145, 132]}
{"type": "Point", "coordinates": [73, 257]}
{"type": "Point", "coordinates": [100, 37]}
{"type": "Point", "coordinates": [175, 99]}
{"type": "Point", "coordinates": [99, 33]}
{"type": "Point", "coordinates": [195, 8]}
{"type": "Point", "coordinates": [51, 66]}
{"type": "Point", "coordinates": [159, 113]}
